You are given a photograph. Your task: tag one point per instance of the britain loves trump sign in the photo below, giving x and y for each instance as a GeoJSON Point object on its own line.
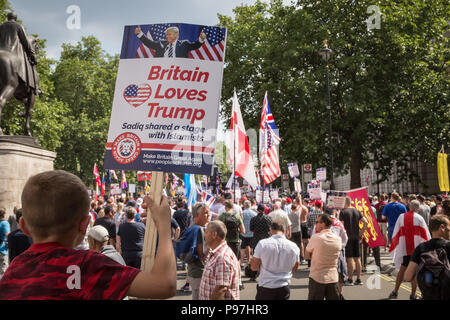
{"type": "Point", "coordinates": [166, 100]}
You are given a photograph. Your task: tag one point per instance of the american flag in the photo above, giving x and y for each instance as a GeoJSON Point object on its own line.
{"type": "Point", "coordinates": [156, 32]}
{"type": "Point", "coordinates": [137, 95]}
{"type": "Point", "coordinates": [213, 49]}
{"type": "Point", "coordinates": [269, 139]}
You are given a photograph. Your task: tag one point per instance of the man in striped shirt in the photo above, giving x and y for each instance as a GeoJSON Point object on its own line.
{"type": "Point", "coordinates": [220, 279]}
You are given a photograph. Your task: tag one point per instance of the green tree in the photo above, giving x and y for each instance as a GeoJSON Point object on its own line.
{"type": "Point", "coordinates": [388, 85]}
{"type": "Point", "coordinates": [4, 6]}
{"type": "Point", "coordinates": [84, 80]}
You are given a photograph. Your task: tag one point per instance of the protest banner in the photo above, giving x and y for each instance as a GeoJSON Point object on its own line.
{"type": "Point", "coordinates": [274, 194]}
{"type": "Point", "coordinates": [321, 174]}
{"type": "Point", "coordinates": [285, 181]}
{"type": "Point", "coordinates": [237, 194]}
{"type": "Point", "coordinates": [314, 190]}
{"type": "Point", "coordinates": [144, 176]}
{"type": "Point", "coordinates": [336, 199]}
{"type": "Point", "coordinates": [166, 105]}
{"type": "Point", "coordinates": [297, 185]}
{"type": "Point", "coordinates": [165, 110]}
{"type": "Point", "coordinates": [115, 189]}
{"type": "Point", "coordinates": [293, 169]}
{"type": "Point", "coordinates": [266, 196]}
{"type": "Point", "coordinates": [307, 172]}
{"type": "Point", "coordinates": [360, 201]}
{"type": "Point", "coordinates": [258, 196]}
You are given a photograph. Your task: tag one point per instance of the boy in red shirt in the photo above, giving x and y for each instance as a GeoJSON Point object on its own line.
{"type": "Point", "coordinates": [56, 215]}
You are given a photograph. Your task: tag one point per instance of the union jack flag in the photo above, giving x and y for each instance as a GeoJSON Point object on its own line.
{"type": "Point", "coordinates": [269, 140]}
{"type": "Point", "coordinates": [208, 198]}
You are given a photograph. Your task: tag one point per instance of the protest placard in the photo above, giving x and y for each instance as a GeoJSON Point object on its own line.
{"type": "Point", "coordinates": [321, 174]}
{"type": "Point", "coordinates": [274, 194]}
{"type": "Point", "coordinates": [293, 169]}
{"type": "Point", "coordinates": [165, 109]}
{"type": "Point", "coordinates": [115, 189]}
{"type": "Point", "coordinates": [266, 196]}
{"type": "Point", "coordinates": [336, 199]}
{"type": "Point", "coordinates": [258, 196]}
{"type": "Point", "coordinates": [297, 185]}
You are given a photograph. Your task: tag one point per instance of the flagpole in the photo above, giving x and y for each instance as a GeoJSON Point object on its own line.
{"type": "Point", "coordinates": [234, 156]}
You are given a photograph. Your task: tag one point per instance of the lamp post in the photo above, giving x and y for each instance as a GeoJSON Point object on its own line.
{"type": "Point", "coordinates": [325, 53]}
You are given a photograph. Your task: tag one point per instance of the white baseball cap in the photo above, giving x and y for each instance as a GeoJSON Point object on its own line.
{"type": "Point", "coordinates": [99, 233]}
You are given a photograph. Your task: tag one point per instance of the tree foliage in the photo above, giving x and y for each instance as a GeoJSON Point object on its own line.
{"type": "Point", "coordinates": [389, 86]}
{"type": "Point", "coordinates": [84, 79]}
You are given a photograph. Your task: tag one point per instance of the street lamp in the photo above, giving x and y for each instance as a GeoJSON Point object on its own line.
{"type": "Point", "coordinates": [325, 53]}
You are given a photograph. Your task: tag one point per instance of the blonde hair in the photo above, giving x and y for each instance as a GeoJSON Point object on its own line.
{"type": "Point", "coordinates": [173, 30]}
{"type": "Point", "coordinates": [101, 213]}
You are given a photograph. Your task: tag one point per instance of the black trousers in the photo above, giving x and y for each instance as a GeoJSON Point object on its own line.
{"type": "Point", "coordinates": [132, 258]}
{"type": "Point", "coordinates": [282, 293]}
{"type": "Point", "coordinates": [320, 291]}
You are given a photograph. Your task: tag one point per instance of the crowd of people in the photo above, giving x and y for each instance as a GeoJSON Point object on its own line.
{"type": "Point", "coordinates": [218, 245]}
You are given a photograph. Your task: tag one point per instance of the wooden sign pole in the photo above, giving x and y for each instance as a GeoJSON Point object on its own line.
{"type": "Point", "coordinates": [149, 250]}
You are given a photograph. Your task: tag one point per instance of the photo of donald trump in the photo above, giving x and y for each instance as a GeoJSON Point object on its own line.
{"type": "Point", "coordinates": [172, 47]}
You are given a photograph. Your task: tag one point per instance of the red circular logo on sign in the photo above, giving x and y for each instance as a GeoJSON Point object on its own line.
{"type": "Point", "coordinates": [126, 148]}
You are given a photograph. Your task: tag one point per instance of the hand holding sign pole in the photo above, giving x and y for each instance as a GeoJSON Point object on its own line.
{"type": "Point", "coordinates": [149, 250]}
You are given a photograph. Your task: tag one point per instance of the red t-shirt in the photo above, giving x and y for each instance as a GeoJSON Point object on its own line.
{"type": "Point", "coordinates": [52, 271]}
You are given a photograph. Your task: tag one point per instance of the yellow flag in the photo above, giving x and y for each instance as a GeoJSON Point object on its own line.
{"type": "Point", "coordinates": [444, 184]}
{"type": "Point", "coordinates": [147, 189]}
{"type": "Point", "coordinates": [172, 191]}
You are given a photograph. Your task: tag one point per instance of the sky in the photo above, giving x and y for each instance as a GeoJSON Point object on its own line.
{"type": "Point", "coordinates": [106, 20]}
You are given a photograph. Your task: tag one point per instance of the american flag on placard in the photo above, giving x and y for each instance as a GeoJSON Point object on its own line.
{"type": "Point", "coordinates": [214, 47]}
{"type": "Point", "coordinates": [156, 32]}
{"type": "Point", "coordinates": [137, 95]}
{"type": "Point", "coordinates": [269, 139]}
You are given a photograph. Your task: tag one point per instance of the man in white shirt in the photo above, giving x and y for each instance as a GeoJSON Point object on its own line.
{"type": "Point", "coordinates": [281, 216]}
{"type": "Point", "coordinates": [276, 259]}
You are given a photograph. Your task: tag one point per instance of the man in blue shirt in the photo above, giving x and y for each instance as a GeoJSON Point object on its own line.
{"type": "Point", "coordinates": [392, 211]}
{"type": "Point", "coordinates": [4, 231]}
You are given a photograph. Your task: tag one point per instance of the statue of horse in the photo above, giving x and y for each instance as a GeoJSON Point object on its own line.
{"type": "Point", "coordinates": [11, 84]}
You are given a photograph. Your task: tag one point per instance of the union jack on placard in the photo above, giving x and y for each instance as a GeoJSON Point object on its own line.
{"type": "Point", "coordinates": [269, 139]}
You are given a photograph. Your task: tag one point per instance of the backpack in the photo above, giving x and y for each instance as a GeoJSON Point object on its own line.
{"type": "Point", "coordinates": [433, 275]}
{"type": "Point", "coordinates": [186, 245]}
{"type": "Point", "coordinates": [232, 224]}
{"type": "Point", "coordinates": [379, 211]}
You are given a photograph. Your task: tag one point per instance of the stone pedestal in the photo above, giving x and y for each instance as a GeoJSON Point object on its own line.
{"type": "Point", "coordinates": [20, 158]}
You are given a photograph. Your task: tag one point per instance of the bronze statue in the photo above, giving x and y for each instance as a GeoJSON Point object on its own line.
{"type": "Point", "coordinates": [18, 76]}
